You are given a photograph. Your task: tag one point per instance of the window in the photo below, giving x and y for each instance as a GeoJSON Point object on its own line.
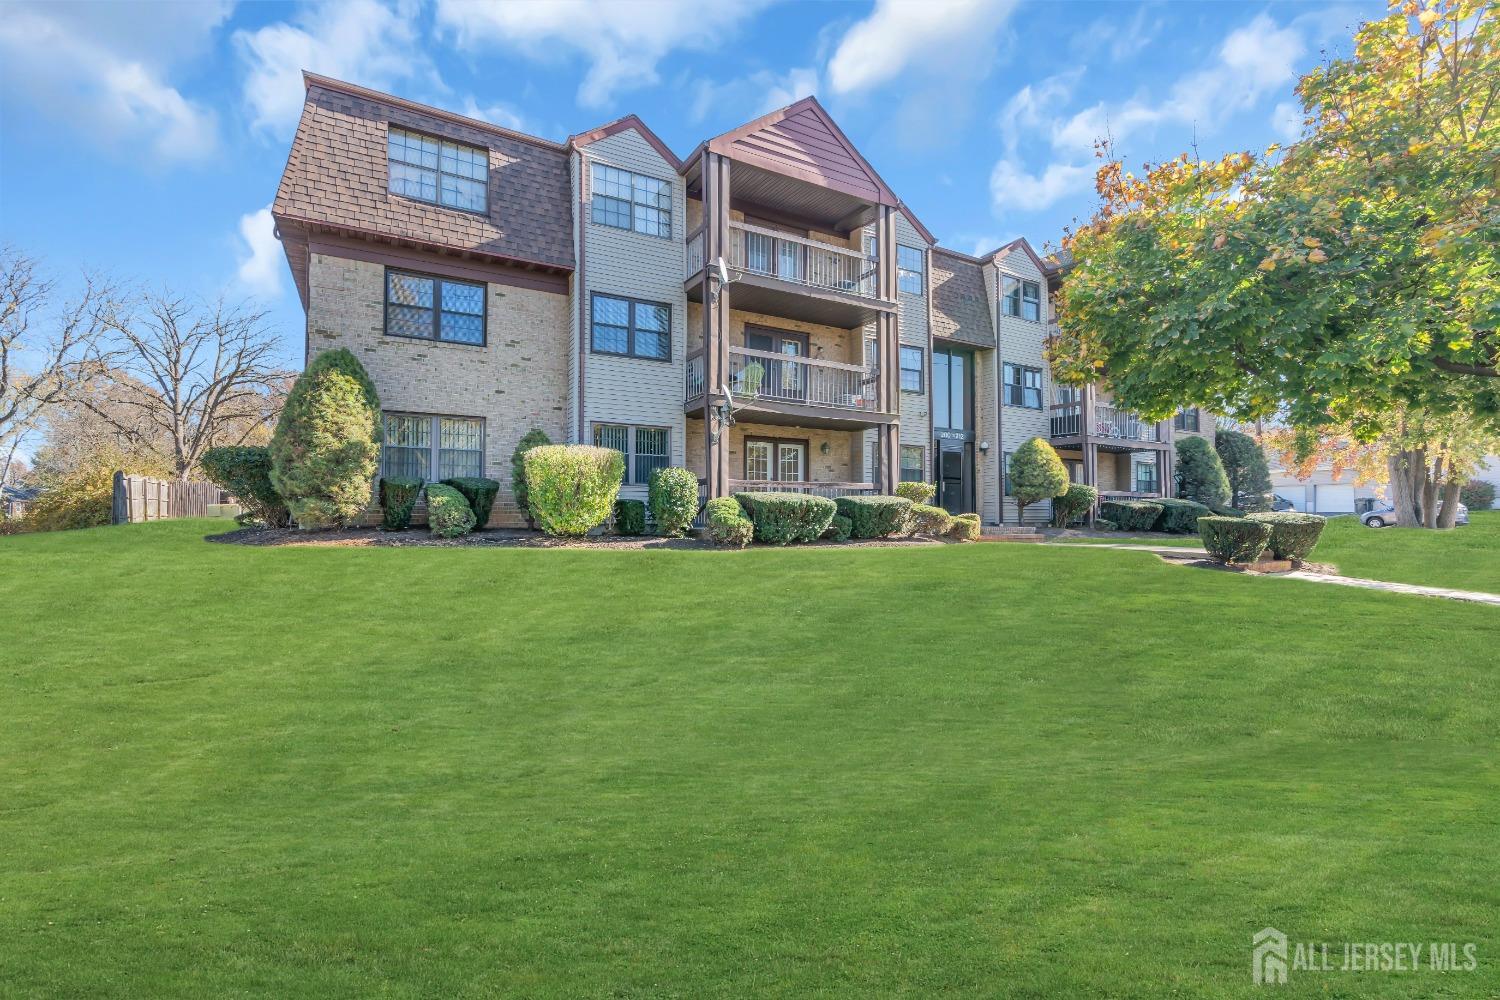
{"type": "Point", "coordinates": [775, 460]}
{"type": "Point", "coordinates": [624, 200]}
{"type": "Point", "coordinates": [417, 305]}
{"type": "Point", "coordinates": [952, 389]}
{"type": "Point", "coordinates": [1022, 299]}
{"type": "Point", "coordinates": [444, 173]}
{"type": "Point", "coordinates": [1067, 395]}
{"type": "Point", "coordinates": [872, 246]}
{"type": "Point", "coordinates": [913, 464]}
{"type": "Point", "coordinates": [1186, 419]}
{"type": "Point", "coordinates": [911, 369]}
{"type": "Point", "coordinates": [911, 270]}
{"type": "Point", "coordinates": [1145, 475]}
{"type": "Point", "coordinates": [1005, 472]}
{"type": "Point", "coordinates": [631, 328]}
{"type": "Point", "coordinates": [646, 449]}
{"type": "Point", "coordinates": [1023, 386]}
{"type": "Point", "coordinates": [432, 448]}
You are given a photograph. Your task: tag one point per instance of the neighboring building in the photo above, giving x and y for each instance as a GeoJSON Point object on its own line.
{"type": "Point", "coordinates": [1489, 472]}
{"type": "Point", "coordinates": [15, 501]}
{"type": "Point", "coordinates": [492, 282]}
{"type": "Point", "coordinates": [1320, 493]}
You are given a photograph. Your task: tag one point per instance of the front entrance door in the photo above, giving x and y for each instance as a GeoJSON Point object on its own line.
{"type": "Point", "coordinates": [955, 481]}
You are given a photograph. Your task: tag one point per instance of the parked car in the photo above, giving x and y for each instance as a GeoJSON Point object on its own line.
{"type": "Point", "coordinates": [1279, 502]}
{"type": "Point", "coordinates": [1384, 514]}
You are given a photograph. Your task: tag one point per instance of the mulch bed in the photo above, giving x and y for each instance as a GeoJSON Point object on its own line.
{"type": "Point", "coordinates": [510, 538]}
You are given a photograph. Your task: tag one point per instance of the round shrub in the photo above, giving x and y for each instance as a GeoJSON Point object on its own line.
{"type": "Point", "coordinates": [398, 495]}
{"type": "Point", "coordinates": [727, 523]}
{"type": "Point", "coordinates": [1477, 494]}
{"type": "Point", "coordinates": [917, 492]}
{"type": "Point", "coordinates": [1073, 505]}
{"type": "Point", "coordinates": [531, 439]}
{"type": "Point", "coordinates": [965, 528]}
{"type": "Point", "coordinates": [630, 517]}
{"type": "Point", "coordinates": [245, 473]}
{"type": "Point", "coordinates": [925, 519]}
{"type": "Point", "coordinates": [1234, 539]}
{"type": "Point", "coordinates": [1131, 515]}
{"type": "Point", "coordinates": [674, 500]}
{"type": "Point", "coordinates": [1293, 535]}
{"type": "Point", "coordinates": [782, 518]}
{"type": "Point", "coordinates": [874, 517]}
{"type": "Point", "coordinates": [1036, 473]}
{"type": "Point", "coordinates": [479, 492]}
{"type": "Point", "coordinates": [839, 529]}
{"type": "Point", "coordinates": [448, 513]}
{"type": "Point", "coordinates": [327, 442]}
{"type": "Point", "coordinates": [571, 488]}
{"type": "Point", "coordinates": [82, 499]}
{"type": "Point", "coordinates": [1179, 517]}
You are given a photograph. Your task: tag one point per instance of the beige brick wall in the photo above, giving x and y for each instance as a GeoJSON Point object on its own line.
{"type": "Point", "coordinates": [517, 381]}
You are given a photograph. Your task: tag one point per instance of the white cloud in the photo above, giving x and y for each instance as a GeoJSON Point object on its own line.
{"type": "Point", "coordinates": [260, 257]}
{"type": "Point", "coordinates": [104, 69]}
{"type": "Point", "coordinates": [1030, 109]}
{"type": "Point", "coordinates": [754, 95]}
{"type": "Point", "coordinates": [1116, 38]}
{"type": "Point", "coordinates": [942, 35]}
{"type": "Point", "coordinates": [496, 114]}
{"type": "Point", "coordinates": [361, 41]}
{"type": "Point", "coordinates": [1011, 187]}
{"type": "Point", "coordinates": [1286, 119]}
{"type": "Point", "coordinates": [623, 42]}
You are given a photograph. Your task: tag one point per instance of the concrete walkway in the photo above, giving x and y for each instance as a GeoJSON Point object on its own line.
{"type": "Point", "coordinates": [1181, 552]}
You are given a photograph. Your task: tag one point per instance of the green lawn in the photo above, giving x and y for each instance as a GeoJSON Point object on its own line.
{"type": "Point", "coordinates": [999, 770]}
{"type": "Point", "coordinates": [1467, 558]}
{"type": "Point", "coordinates": [1177, 541]}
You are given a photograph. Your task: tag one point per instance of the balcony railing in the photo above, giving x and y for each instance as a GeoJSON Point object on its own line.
{"type": "Point", "coordinates": [1109, 422]}
{"type": "Point", "coordinates": [768, 376]}
{"type": "Point", "coordinates": [817, 489]}
{"type": "Point", "coordinates": [694, 387]}
{"type": "Point", "coordinates": [798, 260]}
{"type": "Point", "coordinates": [695, 252]}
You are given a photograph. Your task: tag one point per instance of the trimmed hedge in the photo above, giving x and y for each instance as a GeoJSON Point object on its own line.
{"type": "Point", "coordinates": [448, 513]}
{"type": "Point", "coordinates": [1131, 515]}
{"type": "Point", "coordinates": [572, 488]}
{"type": "Point", "coordinates": [727, 523]}
{"type": "Point", "coordinates": [839, 529]}
{"type": "Point", "coordinates": [874, 517]}
{"type": "Point", "coordinates": [780, 518]}
{"type": "Point", "coordinates": [917, 492]}
{"type": "Point", "coordinates": [326, 447]}
{"type": "Point", "coordinates": [1293, 535]}
{"type": "Point", "coordinates": [674, 500]}
{"type": "Point", "coordinates": [924, 519]}
{"type": "Point", "coordinates": [479, 492]}
{"type": "Point", "coordinates": [965, 528]}
{"type": "Point", "coordinates": [398, 495]}
{"type": "Point", "coordinates": [245, 472]}
{"type": "Point", "coordinates": [1228, 511]}
{"type": "Point", "coordinates": [1234, 539]}
{"type": "Point", "coordinates": [1073, 504]}
{"type": "Point", "coordinates": [630, 517]}
{"type": "Point", "coordinates": [1180, 517]}
{"type": "Point", "coordinates": [1105, 524]}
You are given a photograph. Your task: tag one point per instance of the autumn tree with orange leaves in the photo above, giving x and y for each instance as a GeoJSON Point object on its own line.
{"type": "Point", "coordinates": [1348, 281]}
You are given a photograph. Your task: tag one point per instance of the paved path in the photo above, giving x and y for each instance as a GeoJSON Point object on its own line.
{"type": "Point", "coordinates": [1179, 551]}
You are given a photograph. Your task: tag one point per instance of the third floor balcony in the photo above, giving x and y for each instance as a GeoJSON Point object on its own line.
{"type": "Point", "coordinates": [1106, 423]}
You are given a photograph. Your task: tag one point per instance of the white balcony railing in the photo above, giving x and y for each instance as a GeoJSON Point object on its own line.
{"type": "Point", "coordinates": [766, 375]}
{"type": "Point", "coordinates": [695, 253]}
{"type": "Point", "coordinates": [1114, 423]}
{"type": "Point", "coordinates": [814, 488]}
{"type": "Point", "coordinates": [799, 260]}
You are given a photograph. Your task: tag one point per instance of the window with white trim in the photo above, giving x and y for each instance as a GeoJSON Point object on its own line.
{"type": "Point", "coordinates": [646, 449]}
{"type": "Point", "coordinates": [1023, 386]}
{"type": "Point", "coordinates": [626, 200]}
{"type": "Point", "coordinates": [912, 360]}
{"type": "Point", "coordinates": [911, 270]}
{"type": "Point", "coordinates": [438, 171]}
{"type": "Point", "coordinates": [1186, 419]}
{"type": "Point", "coordinates": [913, 463]}
{"type": "Point", "coordinates": [432, 448]}
{"type": "Point", "coordinates": [1021, 299]}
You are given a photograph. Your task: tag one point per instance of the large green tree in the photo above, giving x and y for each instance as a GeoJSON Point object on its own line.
{"type": "Point", "coordinates": [1245, 467]}
{"type": "Point", "coordinates": [1347, 279]}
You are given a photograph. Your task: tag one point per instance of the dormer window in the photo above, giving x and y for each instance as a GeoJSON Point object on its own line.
{"type": "Point", "coordinates": [437, 171]}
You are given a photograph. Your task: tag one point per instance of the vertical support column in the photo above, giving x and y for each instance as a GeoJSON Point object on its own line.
{"type": "Point", "coordinates": [1090, 450]}
{"type": "Point", "coordinates": [888, 330]}
{"type": "Point", "coordinates": [721, 312]}
{"type": "Point", "coordinates": [715, 321]}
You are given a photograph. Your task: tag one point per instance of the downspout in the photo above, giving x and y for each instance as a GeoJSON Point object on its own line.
{"type": "Point", "coordinates": [580, 282]}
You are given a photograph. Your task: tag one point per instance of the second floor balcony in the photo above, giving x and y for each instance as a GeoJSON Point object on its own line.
{"type": "Point", "coordinates": [1105, 422]}
{"type": "Point", "coordinates": [775, 388]}
{"type": "Point", "coordinates": [783, 274]}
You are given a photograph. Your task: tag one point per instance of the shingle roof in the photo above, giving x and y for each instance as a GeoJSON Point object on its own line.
{"type": "Point", "coordinates": [960, 309]}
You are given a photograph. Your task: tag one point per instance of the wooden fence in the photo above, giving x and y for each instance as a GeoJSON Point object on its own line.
{"type": "Point", "coordinates": [142, 498]}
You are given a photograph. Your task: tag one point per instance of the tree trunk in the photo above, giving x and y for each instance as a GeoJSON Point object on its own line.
{"type": "Point", "coordinates": [1430, 493]}
{"type": "Point", "coordinates": [1408, 471]}
{"type": "Point", "coordinates": [1450, 504]}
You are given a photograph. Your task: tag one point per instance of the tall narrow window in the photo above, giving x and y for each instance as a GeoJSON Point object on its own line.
{"type": "Point", "coordinates": [460, 447]}
{"type": "Point", "coordinates": [1031, 301]}
{"type": "Point", "coordinates": [911, 270]}
{"type": "Point", "coordinates": [913, 464]}
{"type": "Point", "coordinates": [911, 369]}
{"type": "Point", "coordinates": [625, 200]}
{"type": "Point", "coordinates": [435, 170]}
{"type": "Point", "coordinates": [632, 328]}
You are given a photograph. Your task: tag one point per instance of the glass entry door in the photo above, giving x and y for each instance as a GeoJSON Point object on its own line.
{"type": "Point", "coordinates": [783, 380]}
{"type": "Point", "coordinates": [770, 460]}
{"type": "Point", "coordinates": [955, 481]}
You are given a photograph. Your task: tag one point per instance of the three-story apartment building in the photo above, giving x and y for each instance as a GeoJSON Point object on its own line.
{"type": "Point", "coordinates": [766, 312]}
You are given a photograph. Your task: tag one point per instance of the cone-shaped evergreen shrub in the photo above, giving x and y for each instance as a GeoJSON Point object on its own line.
{"type": "Point", "coordinates": [398, 495]}
{"type": "Point", "coordinates": [327, 443]}
{"type": "Point", "coordinates": [1036, 474]}
{"type": "Point", "coordinates": [1200, 474]}
{"type": "Point", "coordinates": [480, 493]}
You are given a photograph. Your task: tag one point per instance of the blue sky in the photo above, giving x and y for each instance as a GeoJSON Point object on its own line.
{"type": "Point", "coordinates": [145, 140]}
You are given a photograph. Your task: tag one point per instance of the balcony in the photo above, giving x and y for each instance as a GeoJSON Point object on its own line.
{"type": "Point", "coordinates": [813, 488]}
{"type": "Point", "coordinates": [1110, 424]}
{"type": "Point", "coordinates": [775, 388]}
{"type": "Point", "coordinates": [782, 274]}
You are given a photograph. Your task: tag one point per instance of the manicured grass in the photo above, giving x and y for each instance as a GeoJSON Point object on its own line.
{"type": "Point", "coordinates": [1184, 541]}
{"type": "Point", "coordinates": [1467, 558]}
{"type": "Point", "coordinates": [999, 770]}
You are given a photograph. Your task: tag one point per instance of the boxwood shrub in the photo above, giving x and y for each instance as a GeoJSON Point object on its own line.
{"type": "Point", "coordinates": [571, 488]}
{"type": "Point", "coordinates": [1073, 504]}
{"type": "Point", "coordinates": [874, 517]}
{"type": "Point", "coordinates": [780, 518]}
{"type": "Point", "coordinates": [448, 513]}
{"type": "Point", "coordinates": [1234, 539]}
{"type": "Point", "coordinates": [1228, 511]}
{"type": "Point", "coordinates": [1293, 535]}
{"type": "Point", "coordinates": [674, 500]}
{"type": "Point", "coordinates": [925, 519]}
{"type": "Point", "coordinates": [630, 517]}
{"type": "Point", "coordinates": [838, 529]}
{"type": "Point", "coordinates": [1131, 515]}
{"type": "Point", "coordinates": [245, 472]}
{"type": "Point", "coordinates": [727, 523]}
{"type": "Point", "coordinates": [398, 495]}
{"type": "Point", "coordinates": [917, 492]}
{"type": "Point", "coordinates": [965, 528]}
{"type": "Point", "coordinates": [479, 492]}
{"type": "Point", "coordinates": [1105, 524]}
{"type": "Point", "coordinates": [1179, 517]}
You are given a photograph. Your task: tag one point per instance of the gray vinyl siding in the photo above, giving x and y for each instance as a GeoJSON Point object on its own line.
{"type": "Point", "coordinates": [575, 293]}
{"type": "Point", "coordinates": [1022, 342]}
{"type": "Point", "coordinates": [916, 411]}
{"type": "Point", "coordinates": [620, 262]}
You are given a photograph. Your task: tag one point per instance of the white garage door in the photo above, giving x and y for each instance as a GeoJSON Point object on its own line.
{"type": "Point", "coordinates": [1295, 495]}
{"type": "Point", "coordinates": [1334, 499]}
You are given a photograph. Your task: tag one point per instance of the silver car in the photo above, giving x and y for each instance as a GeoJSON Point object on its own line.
{"type": "Point", "coordinates": [1385, 514]}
